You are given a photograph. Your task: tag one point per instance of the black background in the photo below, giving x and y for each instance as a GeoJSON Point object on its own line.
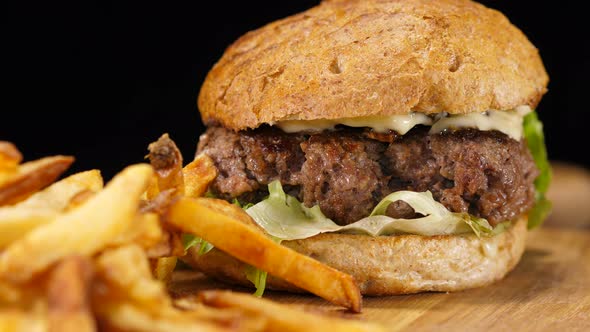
{"type": "Point", "coordinates": [100, 80]}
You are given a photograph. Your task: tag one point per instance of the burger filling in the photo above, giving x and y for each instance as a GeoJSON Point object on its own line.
{"type": "Point", "coordinates": [347, 171]}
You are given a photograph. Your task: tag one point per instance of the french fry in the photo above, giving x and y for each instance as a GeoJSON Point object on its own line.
{"type": "Point", "coordinates": [9, 294]}
{"type": "Point", "coordinates": [58, 196]}
{"type": "Point", "coordinates": [22, 296]}
{"type": "Point", "coordinates": [281, 317]}
{"type": "Point", "coordinates": [231, 210]}
{"type": "Point", "coordinates": [162, 249]}
{"type": "Point", "coordinates": [159, 203]}
{"type": "Point", "coordinates": [152, 190]}
{"type": "Point", "coordinates": [16, 223]}
{"type": "Point", "coordinates": [43, 207]}
{"type": "Point", "coordinates": [198, 175]}
{"type": "Point", "coordinates": [166, 160]}
{"type": "Point", "coordinates": [15, 320]}
{"type": "Point", "coordinates": [127, 272]}
{"type": "Point", "coordinates": [10, 157]}
{"type": "Point", "coordinates": [172, 181]}
{"type": "Point", "coordinates": [143, 303]}
{"type": "Point", "coordinates": [145, 231]}
{"type": "Point", "coordinates": [82, 231]}
{"type": "Point", "coordinates": [170, 245]}
{"type": "Point", "coordinates": [164, 268]}
{"type": "Point", "coordinates": [236, 318]}
{"type": "Point", "coordinates": [249, 245]}
{"type": "Point", "coordinates": [31, 177]}
{"type": "Point", "coordinates": [68, 296]}
{"type": "Point", "coordinates": [128, 317]}
{"type": "Point", "coordinates": [79, 199]}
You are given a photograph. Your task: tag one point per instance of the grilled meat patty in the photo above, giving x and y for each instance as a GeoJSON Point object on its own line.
{"type": "Point", "coordinates": [348, 171]}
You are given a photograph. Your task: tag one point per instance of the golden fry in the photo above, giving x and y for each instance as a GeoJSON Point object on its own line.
{"type": "Point", "coordinates": [231, 210]}
{"type": "Point", "coordinates": [145, 231]}
{"type": "Point", "coordinates": [127, 272]}
{"type": "Point", "coordinates": [15, 320]}
{"type": "Point", "coordinates": [164, 268]}
{"type": "Point", "coordinates": [198, 175]}
{"type": "Point", "coordinates": [82, 231]}
{"type": "Point", "coordinates": [68, 296]}
{"type": "Point", "coordinates": [29, 295]}
{"type": "Point", "coordinates": [128, 317]}
{"type": "Point", "coordinates": [58, 196]}
{"type": "Point", "coordinates": [239, 319]}
{"type": "Point", "coordinates": [159, 203]}
{"type": "Point", "coordinates": [32, 177]}
{"type": "Point", "coordinates": [249, 245]}
{"type": "Point", "coordinates": [9, 294]}
{"type": "Point", "coordinates": [281, 317]}
{"type": "Point", "coordinates": [10, 157]}
{"type": "Point", "coordinates": [170, 245]}
{"type": "Point", "coordinates": [152, 190]}
{"type": "Point", "coordinates": [16, 223]}
{"type": "Point", "coordinates": [142, 302]}
{"type": "Point", "coordinates": [43, 207]}
{"type": "Point", "coordinates": [79, 199]}
{"type": "Point", "coordinates": [166, 160]}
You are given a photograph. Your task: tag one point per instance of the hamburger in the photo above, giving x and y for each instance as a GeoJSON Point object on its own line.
{"type": "Point", "coordinates": [393, 140]}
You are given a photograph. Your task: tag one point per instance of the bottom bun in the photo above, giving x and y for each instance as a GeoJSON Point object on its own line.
{"type": "Point", "coordinates": [388, 265]}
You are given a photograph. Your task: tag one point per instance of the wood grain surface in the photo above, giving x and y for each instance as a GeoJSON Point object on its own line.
{"type": "Point", "coordinates": [548, 291]}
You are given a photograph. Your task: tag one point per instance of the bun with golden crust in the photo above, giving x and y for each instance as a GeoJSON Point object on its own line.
{"type": "Point", "coordinates": [351, 58]}
{"type": "Point", "coordinates": [389, 265]}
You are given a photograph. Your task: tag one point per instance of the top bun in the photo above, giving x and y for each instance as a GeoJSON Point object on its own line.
{"type": "Point", "coordinates": [350, 58]}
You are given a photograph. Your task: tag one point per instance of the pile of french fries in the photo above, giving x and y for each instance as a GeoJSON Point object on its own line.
{"type": "Point", "coordinates": [77, 256]}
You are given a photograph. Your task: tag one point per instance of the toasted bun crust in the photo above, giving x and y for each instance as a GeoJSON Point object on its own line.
{"type": "Point", "coordinates": [391, 265]}
{"type": "Point", "coordinates": [353, 58]}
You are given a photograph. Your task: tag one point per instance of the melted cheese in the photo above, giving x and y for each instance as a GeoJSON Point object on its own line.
{"type": "Point", "coordinates": [508, 122]}
{"type": "Point", "coordinates": [382, 124]}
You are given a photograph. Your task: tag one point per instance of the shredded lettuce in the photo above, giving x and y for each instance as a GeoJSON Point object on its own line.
{"type": "Point", "coordinates": [540, 211]}
{"type": "Point", "coordinates": [210, 194]}
{"type": "Point", "coordinates": [285, 218]}
{"type": "Point", "coordinates": [258, 278]}
{"type": "Point", "coordinates": [238, 204]}
{"type": "Point", "coordinates": [533, 132]}
{"type": "Point", "coordinates": [189, 240]}
{"type": "Point", "coordinates": [437, 219]}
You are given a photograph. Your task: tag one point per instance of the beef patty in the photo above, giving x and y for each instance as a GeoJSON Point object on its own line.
{"type": "Point", "coordinates": [348, 171]}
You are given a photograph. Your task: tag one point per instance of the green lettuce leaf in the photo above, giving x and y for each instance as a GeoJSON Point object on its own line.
{"type": "Point", "coordinates": [533, 132]}
{"type": "Point", "coordinates": [285, 218]}
{"type": "Point", "coordinates": [210, 194]}
{"type": "Point", "coordinates": [258, 278]}
{"type": "Point", "coordinates": [238, 204]}
{"type": "Point", "coordinates": [540, 211]}
{"type": "Point", "coordinates": [189, 240]}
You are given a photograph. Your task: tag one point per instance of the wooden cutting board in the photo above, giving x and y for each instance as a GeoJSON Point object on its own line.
{"type": "Point", "coordinates": [548, 291]}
